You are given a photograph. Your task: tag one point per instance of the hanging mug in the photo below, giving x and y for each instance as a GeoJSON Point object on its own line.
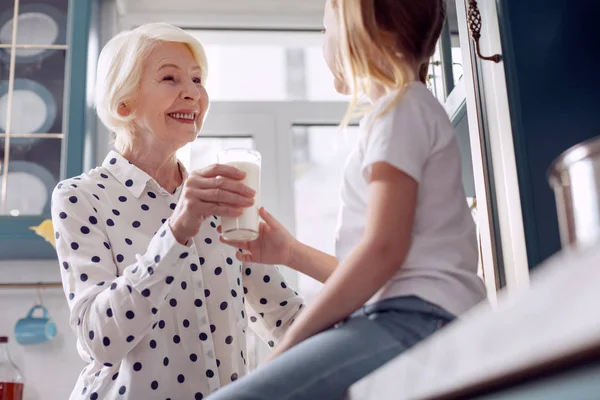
{"type": "Point", "coordinates": [35, 330]}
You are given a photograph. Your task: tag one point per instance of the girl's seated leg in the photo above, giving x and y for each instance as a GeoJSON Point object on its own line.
{"type": "Point", "coordinates": [327, 364]}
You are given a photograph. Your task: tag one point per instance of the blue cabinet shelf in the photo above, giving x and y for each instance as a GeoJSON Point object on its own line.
{"type": "Point", "coordinates": [61, 146]}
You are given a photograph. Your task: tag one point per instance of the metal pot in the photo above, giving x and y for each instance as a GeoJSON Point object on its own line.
{"type": "Point", "coordinates": [575, 178]}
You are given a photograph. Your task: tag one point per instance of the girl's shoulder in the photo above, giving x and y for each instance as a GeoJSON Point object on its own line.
{"type": "Point", "coordinates": [416, 99]}
{"type": "Point", "coordinates": [413, 109]}
{"type": "Point", "coordinates": [414, 103]}
{"type": "Point", "coordinates": [416, 121]}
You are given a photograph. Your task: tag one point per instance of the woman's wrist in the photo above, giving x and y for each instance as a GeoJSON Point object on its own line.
{"type": "Point", "coordinates": [176, 230]}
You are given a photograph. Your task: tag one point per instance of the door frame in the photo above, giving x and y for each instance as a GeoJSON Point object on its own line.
{"type": "Point", "coordinates": [500, 217]}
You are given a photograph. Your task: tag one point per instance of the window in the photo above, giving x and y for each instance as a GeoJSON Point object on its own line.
{"type": "Point", "coordinates": [319, 154]}
{"type": "Point", "coordinates": [203, 151]}
{"type": "Point", "coordinates": [435, 80]}
{"type": "Point", "coordinates": [275, 66]}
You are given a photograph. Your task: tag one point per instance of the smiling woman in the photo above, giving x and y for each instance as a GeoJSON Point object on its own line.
{"type": "Point", "coordinates": [157, 54]}
{"type": "Point", "coordinates": [170, 102]}
{"type": "Point", "coordinates": [159, 305]}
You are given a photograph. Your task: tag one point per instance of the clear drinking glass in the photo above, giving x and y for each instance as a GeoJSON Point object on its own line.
{"type": "Point", "coordinates": [245, 227]}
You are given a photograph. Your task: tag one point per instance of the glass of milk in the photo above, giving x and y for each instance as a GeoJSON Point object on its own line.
{"type": "Point", "coordinates": [245, 227]}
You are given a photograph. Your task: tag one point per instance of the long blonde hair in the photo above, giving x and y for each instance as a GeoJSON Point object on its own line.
{"type": "Point", "coordinates": [387, 43]}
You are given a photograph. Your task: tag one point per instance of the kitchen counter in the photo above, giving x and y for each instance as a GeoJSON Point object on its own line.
{"type": "Point", "coordinates": [550, 327]}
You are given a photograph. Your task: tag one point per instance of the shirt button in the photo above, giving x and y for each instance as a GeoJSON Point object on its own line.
{"type": "Point", "coordinates": [203, 320]}
{"type": "Point", "coordinates": [210, 354]}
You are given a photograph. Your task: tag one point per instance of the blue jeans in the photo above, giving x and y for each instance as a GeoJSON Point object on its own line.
{"type": "Point", "coordinates": [326, 365]}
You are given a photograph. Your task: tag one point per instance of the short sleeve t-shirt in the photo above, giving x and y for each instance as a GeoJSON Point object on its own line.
{"type": "Point", "coordinates": [416, 137]}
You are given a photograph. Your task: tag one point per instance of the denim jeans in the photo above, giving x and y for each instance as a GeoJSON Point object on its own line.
{"type": "Point", "coordinates": [326, 365]}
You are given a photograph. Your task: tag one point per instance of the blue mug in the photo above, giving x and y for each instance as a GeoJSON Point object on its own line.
{"type": "Point", "coordinates": [35, 330]}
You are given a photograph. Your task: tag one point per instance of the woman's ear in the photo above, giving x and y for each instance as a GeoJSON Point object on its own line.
{"type": "Point", "coordinates": [124, 110]}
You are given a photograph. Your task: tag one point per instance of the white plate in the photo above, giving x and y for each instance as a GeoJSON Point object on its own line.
{"type": "Point", "coordinates": [34, 28]}
{"type": "Point", "coordinates": [29, 188]}
{"type": "Point", "coordinates": [38, 24]}
{"type": "Point", "coordinates": [33, 108]}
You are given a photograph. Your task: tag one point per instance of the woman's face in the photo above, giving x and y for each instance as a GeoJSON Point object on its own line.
{"type": "Point", "coordinates": [331, 47]}
{"type": "Point", "coordinates": [171, 102]}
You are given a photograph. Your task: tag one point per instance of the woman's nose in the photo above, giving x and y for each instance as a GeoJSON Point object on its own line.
{"type": "Point", "coordinates": [190, 92]}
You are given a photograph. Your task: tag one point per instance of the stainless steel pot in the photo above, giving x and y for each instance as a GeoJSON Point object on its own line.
{"type": "Point", "coordinates": [575, 178]}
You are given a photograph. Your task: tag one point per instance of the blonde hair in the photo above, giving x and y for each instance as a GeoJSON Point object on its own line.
{"type": "Point", "coordinates": [384, 42]}
{"type": "Point", "coordinates": [120, 68]}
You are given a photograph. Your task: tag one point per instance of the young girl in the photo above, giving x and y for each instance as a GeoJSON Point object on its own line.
{"type": "Point", "coordinates": [406, 246]}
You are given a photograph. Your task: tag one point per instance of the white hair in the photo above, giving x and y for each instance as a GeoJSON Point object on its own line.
{"type": "Point", "coordinates": [120, 68]}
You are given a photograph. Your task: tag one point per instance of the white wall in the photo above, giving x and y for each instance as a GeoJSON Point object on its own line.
{"type": "Point", "coordinates": [50, 369]}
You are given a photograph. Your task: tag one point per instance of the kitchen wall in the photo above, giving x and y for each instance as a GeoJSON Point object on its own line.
{"type": "Point", "coordinates": [50, 369]}
{"type": "Point", "coordinates": [550, 50]}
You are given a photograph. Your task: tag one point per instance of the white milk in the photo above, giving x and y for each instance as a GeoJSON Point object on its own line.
{"type": "Point", "coordinates": [245, 227]}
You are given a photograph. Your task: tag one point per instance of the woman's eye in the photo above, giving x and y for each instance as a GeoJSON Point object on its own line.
{"type": "Point", "coordinates": [197, 80]}
{"type": "Point", "coordinates": [168, 78]}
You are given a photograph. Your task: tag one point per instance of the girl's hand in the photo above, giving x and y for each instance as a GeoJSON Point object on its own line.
{"type": "Point", "coordinates": [275, 245]}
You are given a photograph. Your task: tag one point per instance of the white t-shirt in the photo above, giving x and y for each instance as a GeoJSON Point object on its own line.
{"type": "Point", "coordinates": [417, 137]}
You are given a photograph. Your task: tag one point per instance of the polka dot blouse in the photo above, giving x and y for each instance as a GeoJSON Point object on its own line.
{"type": "Point", "coordinates": [156, 319]}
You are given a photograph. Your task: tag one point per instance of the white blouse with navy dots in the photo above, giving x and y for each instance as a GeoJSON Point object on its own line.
{"type": "Point", "coordinates": [156, 319]}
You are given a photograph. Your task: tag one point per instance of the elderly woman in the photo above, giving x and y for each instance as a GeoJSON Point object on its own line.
{"type": "Point", "coordinates": [158, 303]}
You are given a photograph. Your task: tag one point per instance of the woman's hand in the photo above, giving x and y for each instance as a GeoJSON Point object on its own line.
{"type": "Point", "coordinates": [215, 190]}
{"type": "Point", "coordinates": [275, 245]}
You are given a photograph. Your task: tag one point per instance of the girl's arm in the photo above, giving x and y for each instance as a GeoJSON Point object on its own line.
{"type": "Point", "coordinates": [275, 245]}
{"type": "Point", "coordinates": [383, 248]}
{"type": "Point", "coordinates": [312, 262]}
